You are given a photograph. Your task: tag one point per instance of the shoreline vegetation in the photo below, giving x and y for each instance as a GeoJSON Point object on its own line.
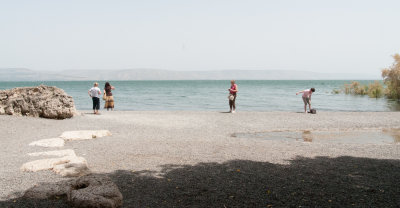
{"type": "Point", "coordinates": [373, 90]}
{"type": "Point", "coordinates": [389, 89]}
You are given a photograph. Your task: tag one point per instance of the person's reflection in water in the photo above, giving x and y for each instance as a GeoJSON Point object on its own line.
{"type": "Point", "coordinates": [307, 136]}
{"type": "Point", "coordinates": [395, 133]}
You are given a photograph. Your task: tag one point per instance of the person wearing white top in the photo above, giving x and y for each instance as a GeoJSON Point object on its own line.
{"type": "Point", "coordinates": [306, 98]}
{"type": "Point", "coordinates": [95, 93]}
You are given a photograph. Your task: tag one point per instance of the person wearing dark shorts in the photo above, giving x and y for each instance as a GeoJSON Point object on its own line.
{"type": "Point", "coordinates": [306, 98]}
{"type": "Point", "coordinates": [232, 96]}
{"type": "Point", "coordinates": [96, 104]}
{"type": "Point", "coordinates": [95, 93]}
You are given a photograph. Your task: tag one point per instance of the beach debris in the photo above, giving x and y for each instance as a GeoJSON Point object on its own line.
{"type": "Point", "coordinates": [68, 166]}
{"type": "Point", "coordinates": [54, 142]}
{"type": "Point", "coordinates": [84, 135]}
{"type": "Point", "coordinates": [86, 191]}
{"type": "Point", "coordinates": [94, 191]}
{"type": "Point", "coordinates": [41, 101]}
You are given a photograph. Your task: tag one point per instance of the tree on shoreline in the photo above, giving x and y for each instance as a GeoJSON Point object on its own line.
{"type": "Point", "coordinates": [391, 77]}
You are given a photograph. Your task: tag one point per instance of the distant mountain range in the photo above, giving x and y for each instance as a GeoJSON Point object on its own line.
{"type": "Point", "coordinates": [21, 74]}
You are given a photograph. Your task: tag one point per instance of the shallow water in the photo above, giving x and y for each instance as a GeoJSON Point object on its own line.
{"type": "Point", "coordinates": [387, 136]}
{"type": "Point", "coordinates": [254, 95]}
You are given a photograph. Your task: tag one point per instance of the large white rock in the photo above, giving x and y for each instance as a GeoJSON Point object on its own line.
{"type": "Point", "coordinates": [58, 153]}
{"type": "Point", "coordinates": [85, 134]}
{"type": "Point", "coordinates": [75, 167]}
{"type": "Point", "coordinates": [43, 164]}
{"type": "Point", "coordinates": [42, 101]}
{"type": "Point", "coordinates": [65, 166]}
{"type": "Point", "coordinates": [54, 142]}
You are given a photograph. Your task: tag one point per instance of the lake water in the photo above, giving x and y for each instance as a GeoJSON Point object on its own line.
{"type": "Point", "coordinates": [265, 95]}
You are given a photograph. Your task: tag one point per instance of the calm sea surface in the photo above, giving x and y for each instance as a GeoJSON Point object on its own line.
{"type": "Point", "coordinates": [266, 95]}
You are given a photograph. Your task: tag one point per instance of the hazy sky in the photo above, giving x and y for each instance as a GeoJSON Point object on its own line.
{"type": "Point", "coordinates": [357, 36]}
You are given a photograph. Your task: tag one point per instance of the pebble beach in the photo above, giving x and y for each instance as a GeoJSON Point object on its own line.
{"type": "Point", "coordinates": [193, 159]}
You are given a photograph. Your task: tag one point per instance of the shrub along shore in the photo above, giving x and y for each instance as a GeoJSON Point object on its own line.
{"type": "Point", "coordinates": [391, 80]}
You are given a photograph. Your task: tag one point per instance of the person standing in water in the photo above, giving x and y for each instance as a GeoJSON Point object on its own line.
{"type": "Point", "coordinates": [307, 98]}
{"type": "Point", "coordinates": [232, 96]}
{"type": "Point", "coordinates": [109, 99]}
{"type": "Point", "coordinates": [95, 93]}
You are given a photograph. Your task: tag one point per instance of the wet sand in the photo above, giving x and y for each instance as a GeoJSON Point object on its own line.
{"type": "Point", "coordinates": [187, 159]}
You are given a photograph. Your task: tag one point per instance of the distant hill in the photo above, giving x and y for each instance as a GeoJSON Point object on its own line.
{"type": "Point", "coordinates": [21, 74]}
{"type": "Point", "coordinates": [17, 74]}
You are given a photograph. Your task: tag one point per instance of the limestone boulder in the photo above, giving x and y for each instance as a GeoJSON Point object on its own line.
{"type": "Point", "coordinates": [42, 101]}
{"type": "Point", "coordinates": [68, 166]}
{"type": "Point", "coordinates": [44, 164]}
{"type": "Point", "coordinates": [87, 191]}
{"type": "Point", "coordinates": [94, 191]}
{"type": "Point", "coordinates": [49, 190]}
{"type": "Point", "coordinates": [77, 166]}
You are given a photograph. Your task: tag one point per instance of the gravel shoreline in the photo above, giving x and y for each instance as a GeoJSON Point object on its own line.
{"type": "Point", "coordinates": [150, 154]}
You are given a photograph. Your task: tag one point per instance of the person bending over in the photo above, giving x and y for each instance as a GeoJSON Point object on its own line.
{"type": "Point", "coordinates": [306, 98]}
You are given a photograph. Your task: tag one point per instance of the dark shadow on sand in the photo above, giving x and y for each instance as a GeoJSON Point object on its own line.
{"type": "Point", "coordinates": [305, 182]}
{"type": "Point", "coordinates": [91, 114]}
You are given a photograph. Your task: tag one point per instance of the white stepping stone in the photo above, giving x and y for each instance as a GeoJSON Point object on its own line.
{"type": "Point", "coordinates": [76, 167]}
{"type": "Point", "coordinates": [58, 153]}
{"type": "Point", "coordinates": [84, 135]}
{"type": "Point", "coordinates": [54, 142]}
{"type": "Point", "coordinates": [65, 166]}
{"type": "Point", "coordinates": [43, 164]}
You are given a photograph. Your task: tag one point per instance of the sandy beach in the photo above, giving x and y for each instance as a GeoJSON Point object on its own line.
{"type": "Point", "coordinates": [193, 159]}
